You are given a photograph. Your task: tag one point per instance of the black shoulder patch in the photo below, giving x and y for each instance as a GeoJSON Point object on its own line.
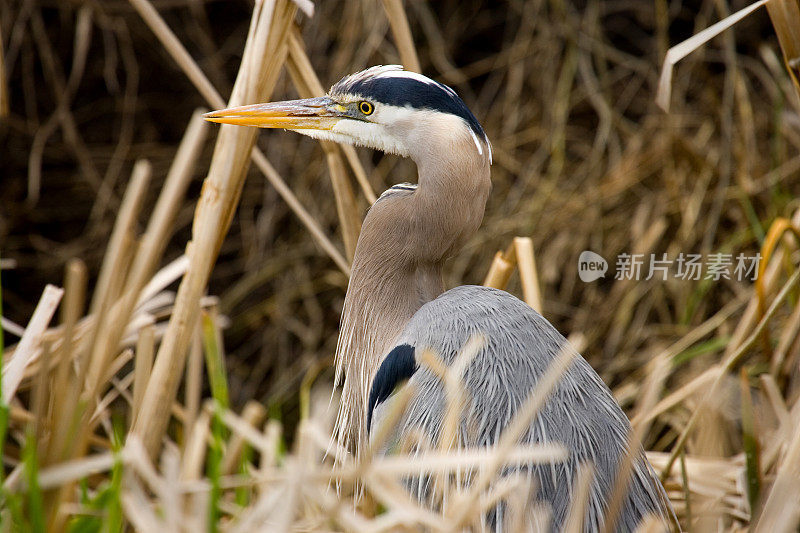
{"type": "Point", "coordinates": [398, 366]}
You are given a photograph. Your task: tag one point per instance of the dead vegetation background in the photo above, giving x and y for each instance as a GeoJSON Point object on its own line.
{"type": "Point", "coordinates": [583, 160]}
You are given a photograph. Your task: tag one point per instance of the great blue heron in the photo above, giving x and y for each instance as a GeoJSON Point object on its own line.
{"type": "Point", "coordinates": [396, 304]}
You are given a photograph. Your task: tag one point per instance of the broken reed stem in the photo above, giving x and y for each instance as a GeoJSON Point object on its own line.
{"type": "Point", "coordinates": [265, 51]}
{"type": "Point", "coordinates": [679, 51]}
{"type": "Point", "coordinates": [528, 275]}
{"type": "Point", "coordinates": [501, 268]}
{"type": "Point", "coordinates": [398, 21]}
{"type": "Point", "coordinates": [29, 344]}
{"type": "Point", "coordinates": [184, 60]}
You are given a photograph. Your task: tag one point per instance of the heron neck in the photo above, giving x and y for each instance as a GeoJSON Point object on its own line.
{"type": "Point", "coordinates": [397, 268]}
{"type": "Point", "coordinates": [451, 199]}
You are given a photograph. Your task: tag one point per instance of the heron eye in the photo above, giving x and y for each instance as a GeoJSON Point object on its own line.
{"type": "Point", "coordinates": [366, 108]}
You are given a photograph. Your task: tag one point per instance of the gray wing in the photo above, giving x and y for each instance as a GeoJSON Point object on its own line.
{"type": "Point", "coordinates": [581, 413]}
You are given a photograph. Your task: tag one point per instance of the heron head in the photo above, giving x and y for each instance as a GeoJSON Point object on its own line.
{"type": "Point", "coordinates": [384, 107]}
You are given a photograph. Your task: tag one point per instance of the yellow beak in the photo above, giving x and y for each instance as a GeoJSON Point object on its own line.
{"type": "Point", "coordinates": [311, 113]}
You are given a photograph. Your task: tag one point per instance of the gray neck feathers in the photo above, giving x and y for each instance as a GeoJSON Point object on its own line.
{"type": "Point", "coordinates": [404, 241]}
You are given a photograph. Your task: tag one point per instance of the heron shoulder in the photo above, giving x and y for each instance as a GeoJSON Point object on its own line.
{"type": "Point", "coordinates": [401, 189]}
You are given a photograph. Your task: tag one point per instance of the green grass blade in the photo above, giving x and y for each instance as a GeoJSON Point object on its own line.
{"type": "Point", "coordinates": [35, 503]}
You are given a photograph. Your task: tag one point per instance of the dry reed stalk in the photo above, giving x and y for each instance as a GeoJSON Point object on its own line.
{"type": "Point", "coordinates": [770, 277]}
{"type": "Point", "coordinates": [385, 429]}
{"type": "Point", "coordinates": [398, 21]}
{"type": "Point", "coordinates": [75, 279]}
{"type": "Point", "coordinates": [172, 499]}
{"type": "Point", "coordinates": [308, 86]}
{"type": "Point", "coordinates": [358, 170]}
{"type": "Point", "coordinates": [476, 458]}
{"type": "Point", "coordinates": [453, 379]}
{"type": "Point", "coordinates": [143, 365]}
{"type": "Point", "coordinates": [193, 386]}
{"type": "Point", "coordinates": [501, 268]}
{"type": "Point", "coordinates": [272, 434]}
{"type": "Point", "coordinates": [5, 105]}
{"type": "Point", "coordinates": [29, 344]}
{"type": "Point", "coordinates": [651, 524]}
{"type": "Point", "coordinates": [520, 508]}
{"type": "Point", "coordinates": [785, 17]}
{"type": "Point", "coordinates": [305, 217]}
{"type": "Point", "coordinates": [781, 511]}
{"type": "Point", "coordinates": [722, 368]}
{"type": "Point", "coordinates": [519, 253]}
{"type": "Point", "coordinates": [778, 231]}
{"type": "Point", "coordinates": [264, 53]}
{"type": "Point", "coordinates": [181, 56]}
{"type": "Point", "coordinates": [69, 472]}
{"type": "Point", "coordinates": [138, 508]}
{"type": "Point", "coordinates": [194, 449]}
{"type": "Point", "coordinates": [787, 339]}
{"type": "Point", "coordinates": [684, 343]}
{"type": "Point", "coordinates": [253, 414]}
{"type": "Point", "coordinates": [774, 397]}
{"type": "Point", "coordinates": [580, 497]}
{"type": "Point", "coordinates": [652, 390]}
{"type": "Point", "coordinates": [40, 400]}
{"type": "Point", "coordinates": [395, 497]}
{"type": "Point", "coordinates": [161, 280]}
{"type": "Point", "coordinates": [243, 428]}
{"type": "Point", "coordinates": [105, 336]}
{"type": "Point", "coordinates": [528, 275]}
{"type": "Point", "coordinates": [456, 397]}
{"type": "Point", "coordinates": [678, 52]}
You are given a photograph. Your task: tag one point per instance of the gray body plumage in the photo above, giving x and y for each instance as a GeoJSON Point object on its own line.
{"type": "Point", "coordinates": [520, 345]}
